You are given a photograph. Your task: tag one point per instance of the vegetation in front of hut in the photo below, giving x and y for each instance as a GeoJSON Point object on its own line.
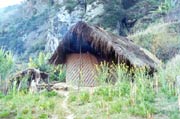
{"type": "Point", "coordinates": [22, 105]}
{"type": "Point", "coordinates": [56, 73]}
{"type": "Point", "coordinates": [144, 97]}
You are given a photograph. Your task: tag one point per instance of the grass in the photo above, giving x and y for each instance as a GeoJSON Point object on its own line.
{"type": "Point", "coordinates": [121, 93]}
{"type": "Point", "coordinates": [21, 106]}
{"type": "Point", "coordinates": [144, 97]}
{"type": "Point", "coordinates": [127, 99]}
{"type": "Point", "coordinates": [120, 99]}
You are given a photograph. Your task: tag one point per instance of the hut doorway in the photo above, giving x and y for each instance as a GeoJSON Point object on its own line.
{"type": "Point", "coordinates": [81, 69]}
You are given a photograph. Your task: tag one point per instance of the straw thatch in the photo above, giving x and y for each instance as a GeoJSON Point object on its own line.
{"type": "Point", "coordinates": [85, 38]}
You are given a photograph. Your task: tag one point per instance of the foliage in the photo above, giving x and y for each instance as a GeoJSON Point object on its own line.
{"type": "Point", "coordinates": [14, 30]}
{"type": "Point", "coordinates": [6, 63]}
{"type": "Point", "coordinates": [51, 94]}
{"type": "Point", "coordinates": [162, 39]}
{"type": "Point", "coordinates": [84, 97]}
{"type": "Point", "coordinates": [39, 106]}
{"type": "Point", "coordinates": [40, 62]}
{"type": "Point", "coordinates": [113, 13]}
{"type": "Point", "coordinates": [134, 93]}
{"type": "Point", "coordinates": [167, 5]}
{"type": "Point", "coordinates": [102, 72]}
{"type": "Point", "coordinates": [56, 73]}
{"type": "Point", "coordinates": [70, 5]}
{"type": "Point", "coordinates": [136, 98]}
{"type": "Point", "coordinates": [167, 76]}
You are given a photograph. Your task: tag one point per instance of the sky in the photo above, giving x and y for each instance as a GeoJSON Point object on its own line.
{"type": "Point", "coordinates": [5, 3]}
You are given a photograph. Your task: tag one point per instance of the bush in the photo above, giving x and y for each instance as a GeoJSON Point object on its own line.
{"type": "Point", "coordinates": [56, 73]}
{"type": "Point", "coordinates": [4, 114]}
{"type": "Point", "coordinates": [72, 98]}
{"type": "Point", "coordinates": [6, 63]}
{"type": "Point", "coordinates": [84, 97]}
{"type": "Point", "coordinates": [40, 62]}
{"type": "Point", "coordinates": [50, 94]}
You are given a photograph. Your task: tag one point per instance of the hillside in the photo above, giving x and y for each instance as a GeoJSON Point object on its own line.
{"type": "Point", "coordinates": [38, 26]}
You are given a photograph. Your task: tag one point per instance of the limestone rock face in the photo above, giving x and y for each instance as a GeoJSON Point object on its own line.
{"type": "Point", "coordinates": [61, 22]}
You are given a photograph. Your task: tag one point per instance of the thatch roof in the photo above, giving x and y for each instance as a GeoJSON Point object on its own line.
{"type": "Point", "coordinates": [85, 38]}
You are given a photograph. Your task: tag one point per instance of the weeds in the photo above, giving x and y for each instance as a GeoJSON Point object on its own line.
{"type": "Point", "coordinates": [84, 97]}
{"type": "Point", "coordinates": [22, 105]}
{"type": "Point", "coordinates": [102, 75]}
{"type": "Point", "coordinates": [133, 92]}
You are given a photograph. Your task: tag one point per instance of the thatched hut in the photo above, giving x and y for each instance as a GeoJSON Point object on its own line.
{"type": "Point", "coordinates": [85, 45]}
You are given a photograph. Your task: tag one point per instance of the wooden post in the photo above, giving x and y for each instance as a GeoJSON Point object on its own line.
{"type": "Point", "coordinates": [80, 70]}
{"type": "Point", "coordinates": [178, 89]}
{"type": "Point", "coordinates": [33, 87]}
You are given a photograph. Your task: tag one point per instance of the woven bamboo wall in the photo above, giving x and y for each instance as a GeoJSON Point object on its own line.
{"type": "Point", "coordinates": [81, 69]}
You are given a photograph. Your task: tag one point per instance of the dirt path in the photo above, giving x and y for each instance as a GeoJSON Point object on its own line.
{"type": "Point", "coordinates": [69, 115]}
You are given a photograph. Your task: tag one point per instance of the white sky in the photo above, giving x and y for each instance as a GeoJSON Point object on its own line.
{"type": "Point", "coordinates": [5, 3]}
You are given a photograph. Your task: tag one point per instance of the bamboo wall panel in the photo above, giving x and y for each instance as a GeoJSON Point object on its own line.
{"type": "Point", "coordinates": [81, 69]}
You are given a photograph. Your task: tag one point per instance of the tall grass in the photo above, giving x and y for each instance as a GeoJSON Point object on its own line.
{"type": "Point", "coordinates": [6, 63]}
{"type": "Point", "coordinates": [167, 76]}
{"type": "Point", "coordinates": [134, 92]}
{"type": "Point", "coordinates": [131, 92]}
{"type": "Point", "coordinates": [6, 67]}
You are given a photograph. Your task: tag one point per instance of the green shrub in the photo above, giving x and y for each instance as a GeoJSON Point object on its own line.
{"type": "Point", "coordinates": [56, 73]}
{"type": "Point", "coordinates": [43, 116]}
{"type": "Point", "coordinates": [72, 98]}
{"type": "Point", "coordinates": [50, 94]}
{"type": "Point", "coordinates": [116, 107]}
{"type": "Point", "coordinates": [25, 111]}
{"type": "Point", "coordinates": [4, 114]}
{"type": "Point", "coordinates": [84, 97]}
{"type": "Point", "coordinates": [1, 95]}
{"type": "Point", "coordinates": [40, 62]}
